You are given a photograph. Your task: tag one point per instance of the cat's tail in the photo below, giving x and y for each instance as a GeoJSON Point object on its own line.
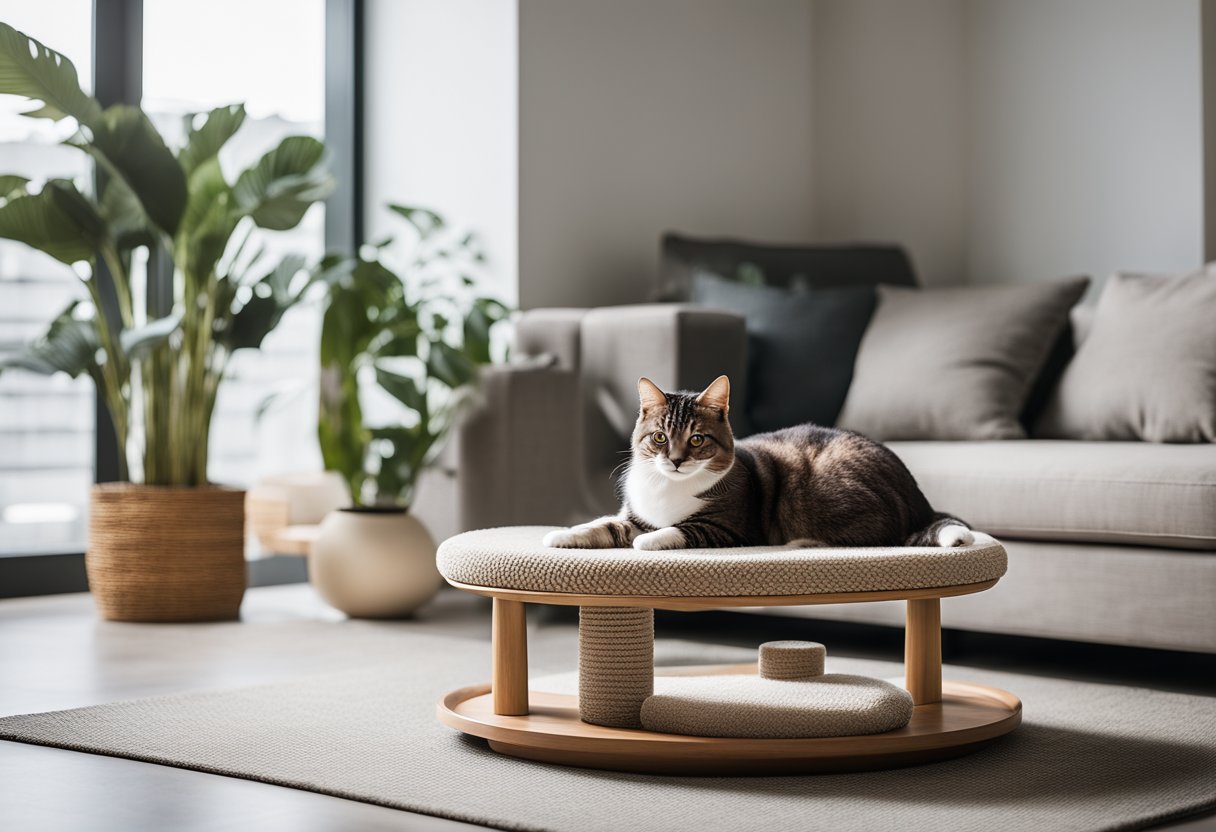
{"type": "Point", "coordinates": [944, 530]}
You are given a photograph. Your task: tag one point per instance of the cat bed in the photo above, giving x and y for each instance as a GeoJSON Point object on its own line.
{"type": "Point", "coordinates": [515, 558]}
{"type": "Point", "coordinates": [792, 698]}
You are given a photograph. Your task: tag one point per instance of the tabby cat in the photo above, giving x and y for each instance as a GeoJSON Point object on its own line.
{"type": "Point", "coordinates": [691, 485]}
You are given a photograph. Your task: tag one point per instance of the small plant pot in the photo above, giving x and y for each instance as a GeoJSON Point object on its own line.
{"type": "Point", "coordinates": [374, 562]}
{"type": "Point", "coordinates": [165, 554]}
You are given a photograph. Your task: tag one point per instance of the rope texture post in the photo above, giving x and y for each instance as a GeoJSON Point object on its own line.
{"type": "Point", "coordinates": [615, 664]}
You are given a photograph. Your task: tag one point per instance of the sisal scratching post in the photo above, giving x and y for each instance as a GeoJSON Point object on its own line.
{"type": "Point", "coordinates": [615, 664]}
{"type": "Point", "coordinates": [791, 659]}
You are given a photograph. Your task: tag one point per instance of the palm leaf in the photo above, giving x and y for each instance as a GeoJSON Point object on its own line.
{"type": "Point", "coordinates": [204, 143]}
{"type": "Point", "coordinates": [138, 341]}
{"type": "Point", "coordinates": [284, 184]}
{"type": "Point", "coordinates": [30, 69]}
{"type": "Point", "coordinates": [57, 220]}
{"type": "Point", "coordinates": [126, 144]}
{"type": "Point", "coordinates": [69, 346]}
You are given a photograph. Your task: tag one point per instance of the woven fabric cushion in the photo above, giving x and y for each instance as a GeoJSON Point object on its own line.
{"type": "Point", "coordinates": [833, 705]}
{"type": "Point", "coordinates": [514, 558]}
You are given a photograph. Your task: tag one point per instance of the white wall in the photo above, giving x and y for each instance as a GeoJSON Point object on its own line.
{"type": "Point", "coordinates": [639, 116]}
{"type": "Point", "coordinates": [442, 119]}
{"type": "Point", "coordinates": [889, 130]}
{"type": "Point", "coordinates": [1012, 139]}
{"type": "Point", "coordinates": [1086, 137]}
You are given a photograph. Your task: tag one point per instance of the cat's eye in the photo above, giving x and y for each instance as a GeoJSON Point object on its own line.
{"type": "Point", "coordinates": [696, 440]}
{"type": "Point", "coordinates": [659, 437]}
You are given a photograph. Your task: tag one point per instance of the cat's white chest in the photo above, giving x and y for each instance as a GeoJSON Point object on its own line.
{"type": "Point", "coordinates": [660, 501]}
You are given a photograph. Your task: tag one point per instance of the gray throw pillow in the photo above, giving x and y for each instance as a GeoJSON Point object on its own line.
{"type": "Point", "coordinates": [1147, 368]}
{"type": "Point", "coordinates": [955, 363]}
{"type": "Point", "coordinates": [800, 346]}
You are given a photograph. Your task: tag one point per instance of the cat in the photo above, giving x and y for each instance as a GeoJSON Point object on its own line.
{"type": "Point", "coordinates": [689, 485]}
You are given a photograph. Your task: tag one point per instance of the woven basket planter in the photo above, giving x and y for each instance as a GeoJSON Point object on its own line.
{"type": "Point", "coordinates": [163, 553]}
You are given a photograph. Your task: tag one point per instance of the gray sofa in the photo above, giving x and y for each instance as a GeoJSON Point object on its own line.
{"type": "Point", "coordinates": [1111, 542]}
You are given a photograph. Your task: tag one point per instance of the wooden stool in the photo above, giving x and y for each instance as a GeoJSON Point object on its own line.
{"type": "Point", "coordinates": [512, 566]}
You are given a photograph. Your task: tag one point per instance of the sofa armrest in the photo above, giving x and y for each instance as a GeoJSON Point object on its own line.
{"type": "Point", "coordinates": [517, 451]}
{"type": "Point", "coordinates": [677, 346]}
{"type": "Point", "coordinates": [550, 333]}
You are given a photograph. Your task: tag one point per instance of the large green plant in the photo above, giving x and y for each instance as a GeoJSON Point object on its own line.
{"type": "Point", "coordinates": [420, 332]}
{"type": "Point", "coordinates": [163, 356]}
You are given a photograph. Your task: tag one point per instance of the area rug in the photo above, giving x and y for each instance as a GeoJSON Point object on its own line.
{"type": "Point", "coordinates": [1087, 757]}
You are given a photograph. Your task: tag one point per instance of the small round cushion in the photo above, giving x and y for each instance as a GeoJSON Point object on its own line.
{"type": "Point", "coordinates": [515, 558]}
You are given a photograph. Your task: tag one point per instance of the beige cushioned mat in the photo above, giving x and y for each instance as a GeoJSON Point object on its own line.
{"type": "Point", "coordinates": [514, 558]}
{"type": "Point", "coordinates": [830, 705]}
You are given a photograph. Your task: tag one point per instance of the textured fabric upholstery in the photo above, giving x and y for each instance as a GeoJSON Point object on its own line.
{"type": "Point", "coordinates": [517, 462]}
{"type": "Point", "coordinates": [1125, 595]}
{"type": "Point", "coordinates": [550, 332]}
{"type": "Point", "coordinates": [1119, 492]}
{"type": "Point", "coordinates": [514, 558]}
{"type": "Point", "coordinates": [831, 705]}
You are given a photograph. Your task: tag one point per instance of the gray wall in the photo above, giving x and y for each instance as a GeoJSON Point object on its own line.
{"type": "Point", "coordinates": [638, 116]}
{"type": "Point", "coordinates": [1012, 139]}
{"type": "Point", "coordinates": [1086, 137]}
{"type": "Point", "coordinates": [889, 128]}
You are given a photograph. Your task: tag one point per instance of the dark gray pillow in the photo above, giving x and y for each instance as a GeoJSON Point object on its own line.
{"type": "Point", "coordinates": [955, 363]}
{"type": "Point", "coordinates": [1147, 368]}
{"type": "Point", "coordinates": [801, 346]}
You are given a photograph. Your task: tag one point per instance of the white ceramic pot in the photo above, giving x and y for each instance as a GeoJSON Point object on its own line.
{"type": "Point", "coordinates": [374, 562]}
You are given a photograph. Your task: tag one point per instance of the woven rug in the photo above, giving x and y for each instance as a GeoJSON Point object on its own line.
{"type": "Point", "coordinates": [1087, 757]}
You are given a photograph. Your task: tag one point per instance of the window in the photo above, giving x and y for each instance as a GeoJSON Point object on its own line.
{"type": "Point", "coordinates": [274, 62]}
{"type": "Point", "coordinates": [46, 424]}
{"type": "Point", "coordinates": [270, 54]}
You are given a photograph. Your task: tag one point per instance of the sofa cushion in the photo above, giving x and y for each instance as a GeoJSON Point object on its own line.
{"type": "Point", "coordinates": [1098, 492]}
{"type": "Point", "coordinates": [800, 346]}
{"type": "Point", "coordinates": [956, 362]}
{"type": "Point", "coordinates": [1147, 370]}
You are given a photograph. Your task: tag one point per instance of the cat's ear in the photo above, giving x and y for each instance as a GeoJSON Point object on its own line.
{"type": "Point", "coordinates": [650, 395]}
{"type": "Point", "coordinates": [716, 395]}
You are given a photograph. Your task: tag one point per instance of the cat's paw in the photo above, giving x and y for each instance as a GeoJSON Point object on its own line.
{"type": "Point", "coordinates": [563, 539]}
{"type": "Point", "coordinates": [954, 535]}
{"type": "Point", "coordinates": [668, 538]}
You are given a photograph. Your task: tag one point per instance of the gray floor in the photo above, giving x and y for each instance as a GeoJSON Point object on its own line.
{"type": "Point", "coordinates": [55, 654]}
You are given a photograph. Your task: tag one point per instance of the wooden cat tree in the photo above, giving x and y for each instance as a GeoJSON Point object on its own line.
{"type": "Point", "coordinates": [787, 717]}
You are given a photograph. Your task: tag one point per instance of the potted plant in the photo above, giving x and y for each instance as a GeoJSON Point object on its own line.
{"type": "Point", "coordinates": [166, 546]}
{"type": "Point", "coordinates": [417, 333]}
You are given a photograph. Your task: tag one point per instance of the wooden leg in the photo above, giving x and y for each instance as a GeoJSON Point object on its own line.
{"type": "Point", "coordinates": [509, 634]}
{"type": "Point", "coordinates": [923, 651]}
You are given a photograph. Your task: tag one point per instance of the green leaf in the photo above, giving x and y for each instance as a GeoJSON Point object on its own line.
{"type": "Point", "coordinates": [11, 184]}
{"type": "Point", "coordinates": [127, 145]}
{"type": "Point", "coordinates": [30, 69]}
{"type": "Point", "coordinates": [208, 222]}
{"type": "Point", "coordinates": [398, 340]}
{"type": "Point", "coordinates": [69, 346]}
{"type": "Point", "coordinates": [138, 341]}
{"type": "Point", "coordinates": [449, 365]}
{"type": "Point", "coordinates": [262, 312]}
{"type": "Point", "coordinates": [204, 143]}
{"type": "Point", "coordinates": [123, 214]}
{"type": "Point", "coordinates": [284, 184]}
{"type": "Point", "coordinates": [481, 318]}
{"type": "Point", "coordinates": [424, 220]}
{"type": "Point", "coordinates": [402, 388]}
{"type": "Point", "coordinates": [58, 221]}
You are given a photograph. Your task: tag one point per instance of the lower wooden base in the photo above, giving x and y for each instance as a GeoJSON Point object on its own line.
{"type": "Point", "coordinates": [968, 717]}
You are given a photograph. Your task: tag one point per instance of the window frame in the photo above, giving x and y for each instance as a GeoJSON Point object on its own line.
{"type": "Point", "coordinates": [117, 42]}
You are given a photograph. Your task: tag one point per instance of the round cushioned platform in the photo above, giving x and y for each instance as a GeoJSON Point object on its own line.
{"type": "Point", "coordinates": [515, 558]}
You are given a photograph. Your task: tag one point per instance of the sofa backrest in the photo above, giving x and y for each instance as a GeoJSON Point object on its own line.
{"type": "Point", "coordinates": [815, 265]}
